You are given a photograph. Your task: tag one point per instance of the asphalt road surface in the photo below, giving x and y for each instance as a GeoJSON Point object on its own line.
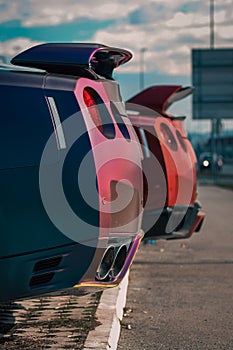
{"type": "Point", "coordinates": [180, 294]}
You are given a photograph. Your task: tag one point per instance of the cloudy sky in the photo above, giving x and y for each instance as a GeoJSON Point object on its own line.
{"type": "Point", "coordinates": [167, 29]}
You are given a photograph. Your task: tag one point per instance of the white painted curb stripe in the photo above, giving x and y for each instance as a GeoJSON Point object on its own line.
{"type": "Point", "coordinates": [109, 313]}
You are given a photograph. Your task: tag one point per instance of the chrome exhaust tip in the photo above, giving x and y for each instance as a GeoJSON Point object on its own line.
{"type": "Point", "coordinates": [105, 264]}
{"type": "Point", "coordinates": [119, 261]}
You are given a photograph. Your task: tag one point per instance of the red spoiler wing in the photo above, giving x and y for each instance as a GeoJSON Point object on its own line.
{"type": "Point", "coordinates": [160, 97]}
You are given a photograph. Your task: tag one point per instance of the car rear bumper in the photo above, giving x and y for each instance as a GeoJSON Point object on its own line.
{"type": "Point", "coordinates": [59, 268]}
{"type": "Point", "coordinates": [173, 222]}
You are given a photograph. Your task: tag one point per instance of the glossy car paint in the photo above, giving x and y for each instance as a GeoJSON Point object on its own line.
{"type": "Point", "coordinates": [176, 215]}
{"type": "Point", "coordinates": [36, 254]}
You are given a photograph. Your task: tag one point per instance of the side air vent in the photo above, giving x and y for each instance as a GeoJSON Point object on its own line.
{"type": "Point", "coordinates": [47, 263]}
{"type": "Point", "coordinates": [41, 279]}
{"type": "Point", "coordinates": [89, 60]}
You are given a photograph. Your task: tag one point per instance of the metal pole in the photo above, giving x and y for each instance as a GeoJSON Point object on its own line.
{"type": "Point", "coordinates": [212, 24]}
{"type": "Point", "coordinates": [213, 149]}
{"type": "Point", "coordinates": [214, 121]}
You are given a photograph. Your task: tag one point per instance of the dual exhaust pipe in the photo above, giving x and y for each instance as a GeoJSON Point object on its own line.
{"type": "Point", "coordinates": [112, 263]}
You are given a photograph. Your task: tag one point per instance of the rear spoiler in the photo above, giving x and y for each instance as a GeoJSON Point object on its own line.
{"type": "Point", "coordinates": [90, 60]}
{"type": "Point", "coordinates": [159, 98]}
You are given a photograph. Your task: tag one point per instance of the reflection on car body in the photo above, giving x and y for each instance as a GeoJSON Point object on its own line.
{"type": "Point", "coordinates": [70, 175]}
{"type": "Point", "coordinates": [171, 206]}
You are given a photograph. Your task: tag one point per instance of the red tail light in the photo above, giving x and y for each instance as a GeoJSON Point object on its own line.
{"type": "Point", "coordinates": [168, 137]}
{"type": "Point", "coordinates": [93, 108]}
{"type": "Point", "coordinates": [99, 112]}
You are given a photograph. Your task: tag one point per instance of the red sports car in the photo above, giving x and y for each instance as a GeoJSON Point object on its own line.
{"type": "Point", "coordinates": [170, 185]}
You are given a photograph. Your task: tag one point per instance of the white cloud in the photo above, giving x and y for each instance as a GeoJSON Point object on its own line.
{"type": "Point", "coordinates": [53, 12]}
{"type": "Point", "coordinates": [168, 29]}
{"type": "Point", "coordinates": [12, 47]}
{"type": "Point", "coordinates": [168, 49]}
{"type": "Point", "coordinates": [8, 11]}
{"type": "Point", "coordinates": [225, 33]}
{"type": "Point", "coordinates": [44, 12]}
{"type": "Point", "coordinates": [169, 42]}
{"type": "Point", "coordinates": [181, 19]}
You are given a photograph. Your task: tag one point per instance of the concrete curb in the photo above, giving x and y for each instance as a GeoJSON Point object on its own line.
{"type": "Point", "coordinates": [109, 313]}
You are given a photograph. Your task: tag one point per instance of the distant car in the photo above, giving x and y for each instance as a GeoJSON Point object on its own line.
{"type": "Point", "coordinates": [172, 209]}
{"type": "Point", "coordinates": [70, 175]}
{"type": "Point", "coordinates": [210, 161]}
